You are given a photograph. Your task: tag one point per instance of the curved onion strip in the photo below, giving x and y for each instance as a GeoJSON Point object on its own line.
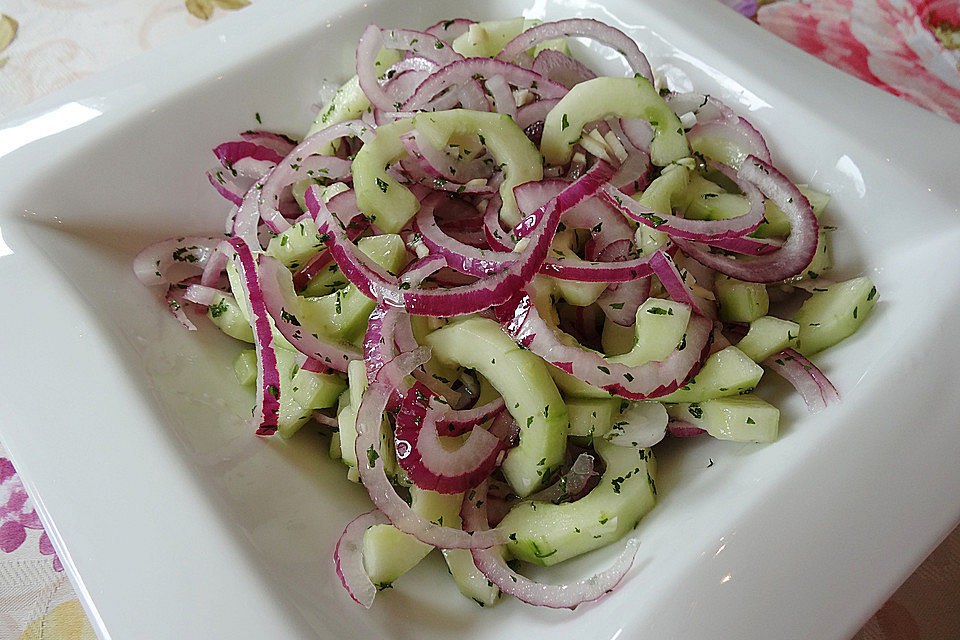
{"type": "Point", "coordinates": [738, 131]}
{"type": "Point", "coordinates": [229, 153]}
{"type": "Point", "coordinates": [247, 221]}
{"type": "Point", "coordinates": [698, 230]}
{"type": "Point", "coordinates": [201, 294]}
{"type": "Point", "coordinates": [521, 321]}
{"type": "Point", "coordinates": [456, 422]}
{"type": "Point", "coordinates": [282, 305]}
{"type": "Point", "coordinates": [620, 301]}
{"type": "Point", "coordinates": [577, 28]}
{"type": "Point", "coordinates": [348, 558]}
{"type": "Point", "coordinates": [177, 309]}
{"type": "Point", "coordinates": [487, 292]}
{"type": "Point", "coordinates": [503, 100]}
{"type": "Point", "coordinates": [492, 565]}
{"type": "Point", "coordinates": [683, 429]}
{"type": "Point", "coordinates": [800, 246]}
{"type": "Point", "coordinates": [534, 112]}
{"type": "Point", "coordinates": [450, 30]}
{"type": "Point", "coordinates": [278, 142]}
{"type": "Point", "coordinates": [301, 164]}
{"type": "Point", "coordinates": [372, 475]}
{"type": "Point", "coordinates": [427, 463]}
{"type": "Point", "coordinates": [671, 279]}
{"type": "Point", "coordinates": [220, 184]}
{"type": "Point", "coordinates": [423, 44]}
{"type": "Point", "coordinates": [379, 347]}
{"type": "Point", "coordinates": [458, 256]}
{"type": "Point", "coordinates": [559, 67]}
{"type": "Point", "coordinates": [267, 409]}
{"type": "Point", "coordinates": [170, 261]}
{"type": "Point", "coordinates": [463, 71]}
{"type": "Point", "coordinates": [817, 391]}
{"type": "Point", "coordinates": [439, 165]}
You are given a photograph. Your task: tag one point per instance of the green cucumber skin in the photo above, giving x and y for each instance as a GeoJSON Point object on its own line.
{"type": "Point", "coordinates": [545, 533]}
{"type": "Point", "coordinates": [834, 314]}
{"type": "Point", "coordinates": [725, 373]}
{"type": "Point", "coordinates": [388, 553]}
{"type": "Point", "coordinates": [624, 97]}
{"type": "Point", "coordinates": [768, 335]}
{"type": "Point", "coordinates": [530, 395]}
{"type": "Point", "coordinates": [745, 418]}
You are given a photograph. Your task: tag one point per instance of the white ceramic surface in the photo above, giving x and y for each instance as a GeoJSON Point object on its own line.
{"type": "Point", "coordinates": [175, 522]}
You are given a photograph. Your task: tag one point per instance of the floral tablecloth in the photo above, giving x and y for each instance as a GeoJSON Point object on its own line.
{"type": "Point", "coordinates": [908, 47]}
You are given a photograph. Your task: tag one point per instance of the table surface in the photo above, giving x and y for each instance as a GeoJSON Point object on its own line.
{"type": "Point", "coordinates": [56, 43]}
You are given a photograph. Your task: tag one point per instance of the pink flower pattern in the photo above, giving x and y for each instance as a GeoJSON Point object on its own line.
{"type": "Point", "coordinates": [888, 43]}
{"type": "Point", "coordinates": [17, 515]}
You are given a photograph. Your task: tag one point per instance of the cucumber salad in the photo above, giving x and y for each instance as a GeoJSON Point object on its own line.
{"type": "Point", "coordinates": [496, 280]}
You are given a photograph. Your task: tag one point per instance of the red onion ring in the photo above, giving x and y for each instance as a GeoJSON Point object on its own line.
{"type": "Point", "coordinates": [348, 558]}
{"type": "Point", "coordinates": [817, 391]}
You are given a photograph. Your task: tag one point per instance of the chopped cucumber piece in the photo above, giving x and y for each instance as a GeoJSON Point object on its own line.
{"type": "Point", "coordinates": [530, 395]}
{"type": "Point", "coordinates": [303, 392]}
{"type": "Point", "coordinates": [245, 367]}
{"type": "Point", "coordinates": [767, 336]}
{"type": "Point", "coordinates": [598, 98]}
{"type": "Point", "coordinates": [487, 39]}
{"type": "Point", "coordinates": [296, 245]}
{"type": "Point", "coordinates": [821, 260]}
{"type": "Point", "coordinates": [617, 339]}
{"type": "Point", "coordinates": [386, 202]}
{"type": "Point", "coordinates": [740, 301]}
{"type": "Point", "coordinates": [470, 581]}
{"type": "Point", "coordinates": [343, 314]}
{"type": "Point", "coordinates": [725, 373]}
{"type": "Point", "coordinates": [388, 553]}
{"type": "Point", "coordinates": [347, 419]}
{"type": "Point", "coordinates": [545, 533]}
{"type": "Point", "coordinates": [579, 294]}
{"type": "Point", "coordinates": [225, 312]}
{"type": "Point", "coordinates": [591, 416]}
{"type": "Point", "coordinates": [744, 418]}
{"type": "Point", "coordinates": [659, 197]}
{"type": "Point", "coordinates": [834, 313]}
{"type": "Point", "coordinates": [335, 446]}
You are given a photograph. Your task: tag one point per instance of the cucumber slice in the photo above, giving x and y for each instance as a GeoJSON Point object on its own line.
{"type": "Point", "coordinates": [744, 418]}
{"type": "Point", "coordinates": [388, 553]}
{"type": "Point", "coordinates": [335, 446]}
{"type": "Point", "coordinates": [775, 221]}
{"type": "Point", "coordinates": [591, 416]}
{"type": "Point", "coordinates": [617, 339]}
{"type": "Point", "coordinates": [225, 312]}
{"type": "Point", "coordinates": [343, 314]}
{"type": "Point", "coordinates": [659, 197]}
{"type": "Point", "coordinates": [740, 301]}
{"type": "Point", "coordinates": [347, 419]}
{"type": "Point", "coordinates": [545, 533]}
{"type": "Point", "coordinates": [579, 294]}
{"type": "Point", "coordinates": [821, 260]}
{"type": "Point", "coordinates": [303, 392]}
{"type": "Point", "coordinates": [725, 373]}
{"type": "Point", "coordinates": [296, 245]}
{"type": "Point", "coordinates": [470, 581]}
{"type": "Point", "coordinates": [598, 98]}
{"type": "Point", "coordinates": [487, 39]}
{"type": "Point", "coordinates": [767, 336]}
{"type": "Point", "coordinates": [530, 395]}
{"type": "Point", "coordinates": [834, 313]}
{"type": "Point", "coordinates": [386, 202]}
{"type": "Point", "coordinates": [245, 367]}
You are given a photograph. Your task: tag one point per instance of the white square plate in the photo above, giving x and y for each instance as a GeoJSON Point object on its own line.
{"type": "Point", "coordinates": [175, 522]}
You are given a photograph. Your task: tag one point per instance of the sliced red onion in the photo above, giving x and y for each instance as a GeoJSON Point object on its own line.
{"type": "Point", "coordinates": [698, 230]}
{"type": "Point", "coordinates": [564, 596]}
{"type": "Point", "coordinates": [671, 279]}
{"type": "Point", "coordinates": [439, 165]}
{"type": "Point", "coordinates": [176, 308]}
{"type": "Point", "coordinates": [247, 221]}
{"type": "Point", "coordinates": [450, 30]}
{"type": "Point", "coordinates": [379, 346]}
{"type": "Point", "coordinates": [170, 261]}
{"type": "Point", "coordinates": [282, 305]}
{"type": "Point", "coordinates": [422, 44]}
{"type": "Point", "coordinates": [301, 164]}
{"type": "Point", "coordinates": [571, 485]}
{"type": "Point", "coordinates": [276, 141]}
{"type": "Point", "coordinates": [427, 463]}
{"type": "Point", "coordinates": [464, 71]}
{"type": "Point", "coordinates": [389, 380]}
{"type": "Point", "coordinates": [561, 68]}
{"type": "Point", "coordinates": [620, 301]}
{"type": "Point", "coordinates": [535, 112]}
{"type": "Point", "coordinates": [741, 133]}
{"type": "Point", "coordinates": [800, 246]}
{"type": "Point", "coordinates": [456, 422]}
{"type": "Point", "coordinates": [683, 429]}
{"type": "Point", "coordinates": [344, 206]}
{"type": "Point", "coordinates": [267, 409]}
{"type": "Point", "coordinates": [201, 294]}
{"type": "Point", "coordinates": [485, 293]}
{"type": "Point", "coordinates": [521, 321]}
{"type": "Point", "coordinates": [230, 152]}
{"type": "Point", "coordinates": [580, 28]}
{"type": "Point", "coordinates": [220, 184]}
{"type": "Point", "coordinates": [817, 391]}
{"type": "Point", "coordinates": [503, 100]}
{"type": "Point", "coordinates": [348, 558]}
{"type": "Point", "coordinates": [422, 269]}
